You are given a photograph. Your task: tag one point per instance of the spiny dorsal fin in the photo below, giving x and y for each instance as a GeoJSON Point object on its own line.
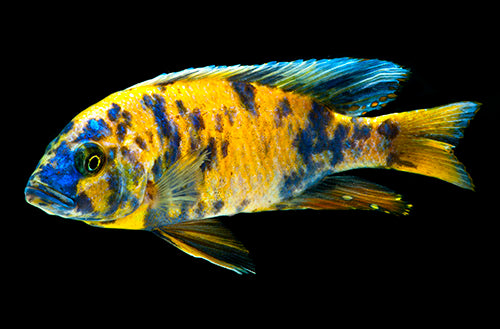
{"type": "Point", "coordinates": [348, 192]}
{"type": "Point", "coordinates": [210, 240]}
{"type": "Point", "coordinates": [347, 85]}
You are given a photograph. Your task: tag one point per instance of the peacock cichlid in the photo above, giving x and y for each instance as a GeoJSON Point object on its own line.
{"type": "Point", "coordinates": [170, 154]}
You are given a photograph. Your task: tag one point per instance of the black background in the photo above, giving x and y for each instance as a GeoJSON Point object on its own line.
{"type": "Point", "coordinates": [443, 255]}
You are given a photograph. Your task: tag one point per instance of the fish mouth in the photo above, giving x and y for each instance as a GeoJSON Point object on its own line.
{"type": "Point", "coordinates": [43, 196]}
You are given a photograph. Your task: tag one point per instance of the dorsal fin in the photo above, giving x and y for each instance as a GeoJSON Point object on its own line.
{"type": "Point", "coordinates": [347, 85]}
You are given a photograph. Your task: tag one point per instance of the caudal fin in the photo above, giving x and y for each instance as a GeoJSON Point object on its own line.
{"type": "Point", "coordinates": [423, 141]}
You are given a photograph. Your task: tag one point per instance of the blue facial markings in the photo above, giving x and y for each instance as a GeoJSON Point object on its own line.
{"type": "Point", "coordinates": [60, 172]}
{"type": "Point", "coordinates": [94, 130]}
{"type": "Point", "coordinates": [113, 112]}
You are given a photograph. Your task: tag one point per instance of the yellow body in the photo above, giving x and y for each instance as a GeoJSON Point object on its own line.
{"type": "Point", "coordinates": [258, 152]}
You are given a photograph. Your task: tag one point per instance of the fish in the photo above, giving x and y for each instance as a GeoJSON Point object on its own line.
{"type": "Point", "coordinates": [172, 154]}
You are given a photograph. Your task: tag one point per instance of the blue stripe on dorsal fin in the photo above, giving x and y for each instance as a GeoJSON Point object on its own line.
{"type": "Point", "coordinates": [347, 85]}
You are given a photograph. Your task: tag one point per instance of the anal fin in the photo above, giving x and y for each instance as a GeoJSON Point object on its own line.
{"type": "Point", "coordinates": [210, 240]}
{"type": "Point", "coordinates": [348, 192]}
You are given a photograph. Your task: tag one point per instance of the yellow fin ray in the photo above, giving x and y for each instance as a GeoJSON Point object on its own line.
{"type": "Point", "coordinates": [425, 141]}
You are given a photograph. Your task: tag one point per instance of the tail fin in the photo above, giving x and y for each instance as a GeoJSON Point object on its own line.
{"type": "Point", "coordinates": [423, 141]}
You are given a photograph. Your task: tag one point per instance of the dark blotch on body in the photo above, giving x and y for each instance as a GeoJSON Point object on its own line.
{"type": "Point", "coordinates": [388, 129]}
{"type": "Point", "coordinates": [167, 129]}
{"type": "Point", "coordinates": [174, 143]}
{"type": "Point", "coordinates": [282, 111]}
{"type": "Point", "coordinates": [230, 114]}
{"type": "Point", "coordinates": [157, 169]}
{"type": "Point", "coordinates": [218, 122]}
{"type": "Point", "coordinates": [127, 117]}
{"type": "Point", "coordinates": [121, 131]}
{"type": "Point", "coordinates": [217, 206]}
{"type": "Point", "coordinates": [113, 183]}
{"type": "Point", "coordinates": [338, 143]}
{"type": "Point", "coordinates": [313, 139]}
{"type": "Point", "coordinates": [197, 119]}
{"type": "Point", "coordinates": [211, 151]}
{"type": "Point", "coordinates": [194, 142]}
{"type": "Point", "coordinates": [180, 106]}
{"type": "Point", "coordinates": [84, 203]}
{"type": "Point", "coordinates": [142, 144]}
{"type": "Point", "coordinates": [223, 148]}
{"type": "Point", "coordinates": [113, 112]}
{"type": "Point", "coordinates": [246, 93]}
{"type": "Point", "coordinates": [360, 130]}
{"type": "Point", "coordinates": [243, 205]}
{"type": "Point", "coordinates": [124, 118]}
{"type": "Point", "coordinates": [156, 103]}
{"type": "Point", "coordinates": [114, 186]}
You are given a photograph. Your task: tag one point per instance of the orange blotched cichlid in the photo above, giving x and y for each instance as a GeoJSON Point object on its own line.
{"type": "Point", "coordinates": [169, 154]}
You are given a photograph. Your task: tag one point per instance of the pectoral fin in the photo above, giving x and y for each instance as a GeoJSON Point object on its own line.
{"type": "Point", "coordinates": [180, 181]}
{"type": "Point", "coordinates": [210, 240]}
{"type": "Point", "coordinates": [348, 192]}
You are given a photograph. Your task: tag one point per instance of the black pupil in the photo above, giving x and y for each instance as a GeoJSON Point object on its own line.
{"type": "Point", "coordinates": [94, 162]}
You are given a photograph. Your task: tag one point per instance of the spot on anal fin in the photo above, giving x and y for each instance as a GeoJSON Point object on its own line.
{"type": "Point", "coordinates": [348, 192]}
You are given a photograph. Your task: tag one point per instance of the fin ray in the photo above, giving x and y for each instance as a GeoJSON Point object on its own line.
{"type": "Point", "coordinates": [210, 240]}
{"type": "Point", "coordinates": [426, 140]}
{"type": "Point", "coordinates": [180, 181]}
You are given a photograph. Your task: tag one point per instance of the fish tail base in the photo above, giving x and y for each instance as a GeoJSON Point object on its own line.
{"type": "Point", "coordinates": [422, 141]}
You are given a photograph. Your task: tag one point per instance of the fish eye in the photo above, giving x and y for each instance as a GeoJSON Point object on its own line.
{"type": "Point", "coordinates": [89, 159]}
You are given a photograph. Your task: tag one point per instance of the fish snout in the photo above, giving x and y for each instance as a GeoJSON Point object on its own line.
{"type": "Point", "coordinates": [48, 199]}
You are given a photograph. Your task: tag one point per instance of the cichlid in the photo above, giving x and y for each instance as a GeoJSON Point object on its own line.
{"type": "Point", "coordinates": [170, 154]}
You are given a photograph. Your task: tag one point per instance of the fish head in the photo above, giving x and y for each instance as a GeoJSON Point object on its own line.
{"type": "Point", "coordinates": [87, 174]}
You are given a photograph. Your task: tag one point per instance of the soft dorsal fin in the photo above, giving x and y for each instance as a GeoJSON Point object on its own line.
{"type": "Point", "coordinates": [347, 85]}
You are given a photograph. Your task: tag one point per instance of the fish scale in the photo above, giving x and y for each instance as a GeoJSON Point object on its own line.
{"type": "Point", "coordinates": [171, 154]}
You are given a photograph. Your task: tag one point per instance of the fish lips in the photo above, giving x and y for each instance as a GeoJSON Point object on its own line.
{"type": "Point", "coordinates": [47, 198]}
